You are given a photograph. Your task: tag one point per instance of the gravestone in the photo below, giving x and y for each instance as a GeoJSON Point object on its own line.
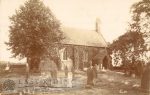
{"type": "Point", "coordinates": [95, 73]}
{"type": "Point", "coordinates": [69, 79]}
{"type": "Point", "coordinates": [90, 76]}
{"type": "Point", "coordinates": [145, 81]}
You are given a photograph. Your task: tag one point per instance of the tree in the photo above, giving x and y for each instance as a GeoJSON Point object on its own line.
{"type": "Point", "coordinates": [127, 46]}
{"type": "Point", "coordinates": [34, 32]}
{"type": "Point", "coordinates": [128, 50]}
{"type": "Point", "coordinates": [141, 18]}
{"type": "Point", "coordinates": [141, 22]}
{"type": "Point", "coordinates": [132, 44]}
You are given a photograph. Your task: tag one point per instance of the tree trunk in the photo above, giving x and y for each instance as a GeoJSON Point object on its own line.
{"type": "Point", "coordinates": [145, 81]}
{"type": "Point", "coordinates": [33, 64]}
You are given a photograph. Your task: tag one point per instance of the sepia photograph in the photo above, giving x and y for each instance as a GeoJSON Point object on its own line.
{"type": "Point", "coordinates": [74, 47]}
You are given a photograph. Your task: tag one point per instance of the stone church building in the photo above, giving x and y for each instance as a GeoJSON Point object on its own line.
{"type": "Point", "coordinates": [81, 46]}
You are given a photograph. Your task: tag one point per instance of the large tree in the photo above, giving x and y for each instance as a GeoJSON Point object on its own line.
{"type": "Point", "coordinates": [128, 51]}
{"type": "Point", "coordinates": [129, 45]}
{"type": "Point", "coordinates": [132, 45]}
{"type": "Point", "coordinates": [34, 32]}
{"type": "Point", "coordinates": [141, 18]}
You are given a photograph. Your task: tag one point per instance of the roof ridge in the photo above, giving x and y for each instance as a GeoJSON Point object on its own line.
{"type": "Point", "coordinates": [78, 36]}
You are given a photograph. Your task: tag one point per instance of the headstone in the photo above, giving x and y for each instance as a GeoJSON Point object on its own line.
{"type": "Point", "coordinates": [27, 73]}
{"type": "Point", "coordinates": [145, 81]}
{"type": "Point", "coordinates": [133, 75]}
{"type": "Point", "coordinates": [69, 80]}
{"type": "Point", "coordinates": [90, 76]}
{"type": "Point", "coordinates": [95, 73]}
{"type": "Point", "coordinates": [20, 93]}
{"type": "Point", "coordinates": [7, 67]}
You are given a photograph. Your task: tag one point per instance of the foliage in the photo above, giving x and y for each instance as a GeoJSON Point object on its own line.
{"type": "Point", "coordinates": [132, 44]}
{"type": "Point", "coordinates": [141, 17]}
{"type": "Point", "coordinates": [128, 46]}
{"type": "Point", "coordinates": [34, 31]}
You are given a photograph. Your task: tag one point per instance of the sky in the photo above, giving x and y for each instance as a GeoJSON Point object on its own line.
{"type": "Point", "coordinates": [114, 16]}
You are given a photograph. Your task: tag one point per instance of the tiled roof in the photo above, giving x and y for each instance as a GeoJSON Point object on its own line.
{"type": "Point", "coordinates": [83, 37]}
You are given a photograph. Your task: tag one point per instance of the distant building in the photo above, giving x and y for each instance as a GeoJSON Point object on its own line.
{"type": "Point", "coordinates": [81, 46]}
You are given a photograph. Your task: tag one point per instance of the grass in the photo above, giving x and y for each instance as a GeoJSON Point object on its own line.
{"type": "Point", "coordinates": [108, 83]}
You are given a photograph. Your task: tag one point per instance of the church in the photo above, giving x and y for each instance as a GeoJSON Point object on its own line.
{"type": "Point", "coordinates": [81, 46]}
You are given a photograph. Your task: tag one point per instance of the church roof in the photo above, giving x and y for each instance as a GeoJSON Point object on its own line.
{"type": "Point", "coordinates": [84, 37]}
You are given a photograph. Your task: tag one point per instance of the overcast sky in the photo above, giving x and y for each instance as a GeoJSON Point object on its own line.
{"type": "Point", "coordinates": [114, 16]}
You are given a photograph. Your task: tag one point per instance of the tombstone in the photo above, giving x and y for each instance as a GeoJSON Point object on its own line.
{"type": "Point", "coordinates": [27, 73]}
{"type": "Point", "coordinates": [53, 71]}
{"type": "Point", "coordinates": [7, 68]}
{"type": "Point", "coordinates": [69, 79]}
{"type": "Point", "coordinates": [145, 81]}
{"type": "Point", "coordinates": [20, 93]}
{"type": "Point", "coordinates": [95, 72]}
{"type": "Point", "coordinates": [90, 76]}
